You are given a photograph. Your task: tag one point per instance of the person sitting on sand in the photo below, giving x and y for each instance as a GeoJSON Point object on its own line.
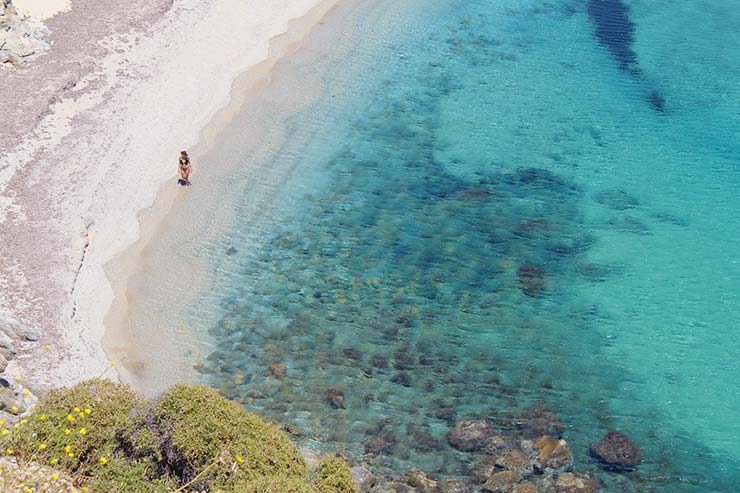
{"type": "Point", "coordinates": [184, 169]}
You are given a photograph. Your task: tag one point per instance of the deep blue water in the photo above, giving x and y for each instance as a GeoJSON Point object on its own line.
{"type": "Point", "coordinates": [494, 206]}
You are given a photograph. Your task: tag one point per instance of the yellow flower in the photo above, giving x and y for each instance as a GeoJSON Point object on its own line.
{"type": "Point", "coordinates": [28, 490]}
{"type": "Point", "coordinates": [70, 418]}
{"type": "Point", "coordinates": [54, 461]}
{"type": "Point", "coordinates": [47, 347]}
{"type": "Point", "coordinates": [104, 460]}
{"type": "Point", "coordinates": [77, 409]}
{"type": "Point", "coordinates": [88, 411]}
{"type": "Point", "coordinates": [9, 451]}
{"type": "Point", "coordinates": [24, 421]}
{"type": "Point", "coordinates": [83, 431]}
{"type": "Point", "coordinates": [2, 422]}
{"type": "Point", "coordinates": [26, 392]}
{"type": "Point", "coordinates": [55, 476]}
{"type": "Point", "coordinates": [68, 448]}
{"type": "Point", "coordinates": [43, 417]}
{"type": "Point", "coordinates": [240, 459]}
{"type": "Point", "coordinates": [14, 409]}
{"type": "Point", "coordinates": [42, 446]}
{"type": "Point", "coordinates": [113, 362]}
{"type": "Point", "coordinates": [67, 431]}
{"type": "Point", "coordinates": [5, 432]}
{"type": "Point", "coordinates": [71, 455]}
{"type": "Point", "coordinates": [82, 415]}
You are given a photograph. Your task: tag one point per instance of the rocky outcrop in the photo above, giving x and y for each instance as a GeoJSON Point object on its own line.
{"type": "Point", "coordinates": [20, 38]}
{"type": "Point", "coordinates": [15, 399]}
{"type": "Point", "coordinates": [616, 452]}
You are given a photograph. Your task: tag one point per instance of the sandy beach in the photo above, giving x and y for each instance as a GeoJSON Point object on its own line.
{"type": "Point", "coordinates": [90, 136]}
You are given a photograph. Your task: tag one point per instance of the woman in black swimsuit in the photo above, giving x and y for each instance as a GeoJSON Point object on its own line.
{"type": "Point", "coordinates": [184, 169]}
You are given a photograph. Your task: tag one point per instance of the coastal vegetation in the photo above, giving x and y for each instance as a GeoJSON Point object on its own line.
{"type": "Point", "coordinates": [100, 436]}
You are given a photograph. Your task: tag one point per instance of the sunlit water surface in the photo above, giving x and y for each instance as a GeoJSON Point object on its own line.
{"type": "Point", "coordinates": [490, 206]}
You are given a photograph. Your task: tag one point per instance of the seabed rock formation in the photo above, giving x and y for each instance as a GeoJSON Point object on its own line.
{"type": "Point", "coordinates": [20, 38]}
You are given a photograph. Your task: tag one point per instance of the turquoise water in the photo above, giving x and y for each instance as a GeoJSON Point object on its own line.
{"type": "Point", "coordinates": [493, 206]}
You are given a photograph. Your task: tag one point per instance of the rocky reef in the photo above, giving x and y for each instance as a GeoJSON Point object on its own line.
{"type": "Point", "coordinates": [20, 38]}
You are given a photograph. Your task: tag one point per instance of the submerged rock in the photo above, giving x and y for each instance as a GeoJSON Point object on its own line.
{"type": "Point", "coordinates": [278, 370]}
{"type": "Point", "coordinates": [532, 279]}
{"type": "Point", "coordinates": [483, 470]}
{"type": "Point", "coordinates": [379, 444]}
{"type": "Point", "coordinates": [452, 485]}
{"type": "Point", "coordinates": [617, 199]}
{"type": "Point", "coordinates": [616, 452]}
{"type": "Point", "coordinates": [335, 398]}
{"type": "Point", "coordinates": [379, 361]}
{"type": "Point", "coordinates": [524, 488]}
{"type": "Point", "coordinates": [571, 482]}
{"type": "Point", "coordinates": [364, 479]}
{"type": "Point", "coordinates": [502, 482]}
{"type": "Point", "coordinates": [471, 434]}
{"type": "Point", "coordinates": [352, 353]}
{"type": "Point", "coordinates": [553, 454]}
{"type": "Point", "coordinates": [422, 438]}
{"type": "Point", "coordinates": [515, 460]}
{"type": "Point", "coordinates": [537, 422]}
{"type": "Point", "coordinates": [402, 378]}
{"type": "Point", "coordinates": [421, 481]}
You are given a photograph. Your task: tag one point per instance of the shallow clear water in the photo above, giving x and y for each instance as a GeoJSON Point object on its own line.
{"type": "Point", "coordinates": [494, 205]}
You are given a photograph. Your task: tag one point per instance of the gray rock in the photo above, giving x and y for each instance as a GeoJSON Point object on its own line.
{"type": "Point", "coordinates": [7, 346]}
{"type": "Point", "coordinates": [364, 479]}
{"type": "Point", "coordinates": [17, 331]}
{"type": "Point", "coordinates": [19, 38]}
{"type": "Point", "coordinates": [3, 363]}
{"type": "Point", "coordinates": [7, 417]}
{"type": "Point", "coordinates": [10, 401]}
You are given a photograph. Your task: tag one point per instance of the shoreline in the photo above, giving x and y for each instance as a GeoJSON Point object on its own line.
{"type": "Point", "coordinates": [112, 132]}
{"type": "Point", "coordinates": [117, 340]}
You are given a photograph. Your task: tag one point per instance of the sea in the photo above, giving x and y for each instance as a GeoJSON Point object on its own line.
{"type": "Point", "coordinates": [470, 209]}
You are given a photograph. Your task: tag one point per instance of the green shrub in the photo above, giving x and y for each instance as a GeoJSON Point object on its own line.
{"type": "Point", "coordinates": [274, 484]}
{"type": "Point", "coordinates": [75, 429]}
{"type": "Point", "coordinates": [333, 476]}
{"type": "Point", "coordinates": [109, 439]}
{"type": "Point", "coordinates": [128, 476]}
{"type": "Point", "coordinates": [202, 430]}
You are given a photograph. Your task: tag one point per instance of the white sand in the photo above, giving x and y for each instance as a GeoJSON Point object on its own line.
{"type": "Point", "coordinates": [112, 142]}
{"type": "Point", "coordinates": [41, 9]}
